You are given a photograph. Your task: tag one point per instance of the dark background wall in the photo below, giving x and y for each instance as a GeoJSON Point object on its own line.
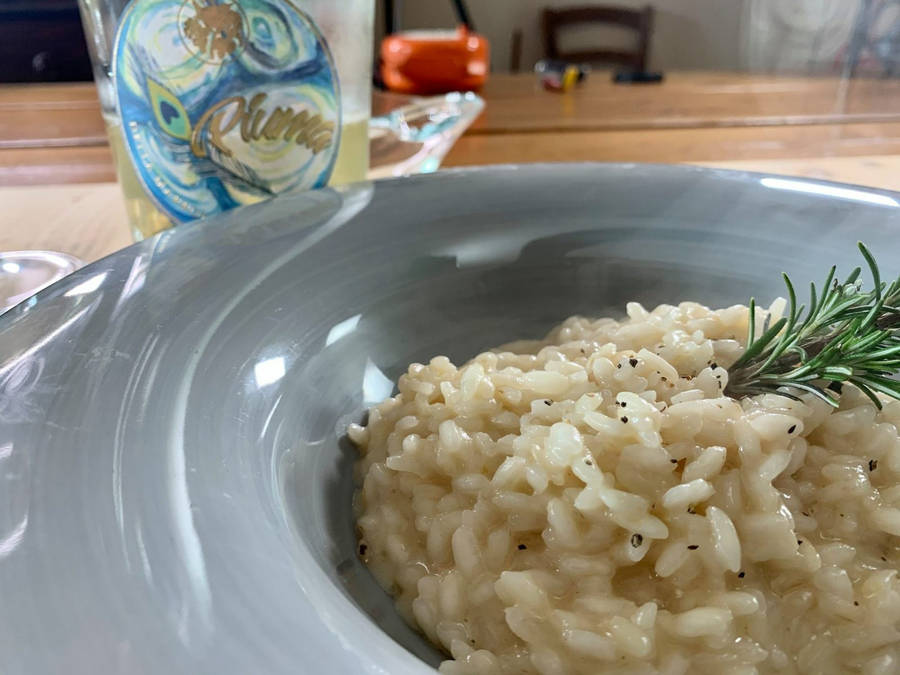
{"type": "Point", "coordinates": [42, 40]}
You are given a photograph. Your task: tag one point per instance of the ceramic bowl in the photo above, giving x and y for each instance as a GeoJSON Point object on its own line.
{"type": "Point", "coordinates": [175, 484]}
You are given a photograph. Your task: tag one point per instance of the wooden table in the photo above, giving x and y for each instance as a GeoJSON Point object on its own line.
{"type": "Point", "coordinates": [815, 127]}
{"type": "Point", "coordinates": [686, 100]}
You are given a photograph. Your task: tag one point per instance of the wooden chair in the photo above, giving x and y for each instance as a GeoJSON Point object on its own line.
{"type": "Point", "coordinates": [640, 20]}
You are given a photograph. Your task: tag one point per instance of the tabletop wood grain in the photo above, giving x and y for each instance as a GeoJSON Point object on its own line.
{"type": "Point", "coordinates": [679, 145]}
{"type": "Point", "coordinates": [55, 133]}
{"type": "Point", "coordinates": [69, 114]}
{"type": "Point", "coordinates": [517, 103]}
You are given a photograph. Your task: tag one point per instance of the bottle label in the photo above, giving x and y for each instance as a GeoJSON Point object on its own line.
{"type": "Point", "coordinates": [225, 102]}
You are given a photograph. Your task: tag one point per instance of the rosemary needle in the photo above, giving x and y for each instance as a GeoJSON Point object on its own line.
{"type": "Point", "coordinates": [846, 335]}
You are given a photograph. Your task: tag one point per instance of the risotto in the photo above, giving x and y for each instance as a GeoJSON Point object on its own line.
{"type": "Point", "coordinates": [593, 503]}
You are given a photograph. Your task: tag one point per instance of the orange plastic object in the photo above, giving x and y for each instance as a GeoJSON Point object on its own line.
{"type": "Point", "coordinates": [434, 62]}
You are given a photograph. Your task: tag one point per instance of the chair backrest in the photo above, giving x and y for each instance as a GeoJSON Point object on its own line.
{"type": "Point", "coordinates": [640, 20]}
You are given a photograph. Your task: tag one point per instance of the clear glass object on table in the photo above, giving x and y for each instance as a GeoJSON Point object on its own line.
{"type": "Point", "coordinates": [413, 135]}
{"type": "Point", "coordinates": [23, 273]}
{"type": "Point", "coordinates": [212, 104]}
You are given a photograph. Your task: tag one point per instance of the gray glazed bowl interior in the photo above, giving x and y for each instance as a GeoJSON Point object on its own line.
{"type": "Point", "coordinates": [175, 494]}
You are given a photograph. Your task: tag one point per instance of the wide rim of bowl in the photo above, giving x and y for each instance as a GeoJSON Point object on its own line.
{"type": "Point", "coordinates": [727, 173]}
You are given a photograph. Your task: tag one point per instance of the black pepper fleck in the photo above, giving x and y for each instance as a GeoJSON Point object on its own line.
{"type": "Point", "coordinates": [799, 542]}
{"type": "Point", "coordinates": [663, 378]}
{"type": "Point", "coordinates": [674, 461]}
{"type": "Point", "coordinates": [693, 547]}
{"type": "Point", "coordinates": [619, 365]}
{"type": "Point", "coordinates": [792, 428]}
{"type": "Point", "coordinates": [741, 575]}
{"type": "Point", "coordinates": [623, 403]}
{"type": "Point", "coordinates": [883, 559]}
{"type": "Point", "coordinates": [522, 547]}
{"type": "Point", "coordinates": [805, 513]}
{"type": "Point", "coordinates": [690, 509]}
{"type": "Point", "coordinates": [713, 365]}
{"type": "Point", "coordinates": [637, 539]}
{"type": "Point", "coordinates": [588, 462]}
{"type": "Point", "coordinates": [547, 401]}
{"type": "Point", "coordinates": [624, 419]}
{"type": "Point", "coordinates": [873, 464]}
{"type": "Point", "coordinates": [856, 603]}
{"type": "Point", "coordinates": [633, 362]}
{"type": "Point", "coordinates": [362, 549]}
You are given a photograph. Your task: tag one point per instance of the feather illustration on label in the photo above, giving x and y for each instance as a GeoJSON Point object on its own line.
{"type": "Point", "coordinates": [225, 102]}
{"type": "Point", "coordinates": [170, 114]}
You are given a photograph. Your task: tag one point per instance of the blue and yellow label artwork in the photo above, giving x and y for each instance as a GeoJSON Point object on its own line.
{"type": "Point", "coordinates": [225, 102]}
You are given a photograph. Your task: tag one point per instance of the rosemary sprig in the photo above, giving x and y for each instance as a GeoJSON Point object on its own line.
{"type": "Point", "coordinates": [847, 335]}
